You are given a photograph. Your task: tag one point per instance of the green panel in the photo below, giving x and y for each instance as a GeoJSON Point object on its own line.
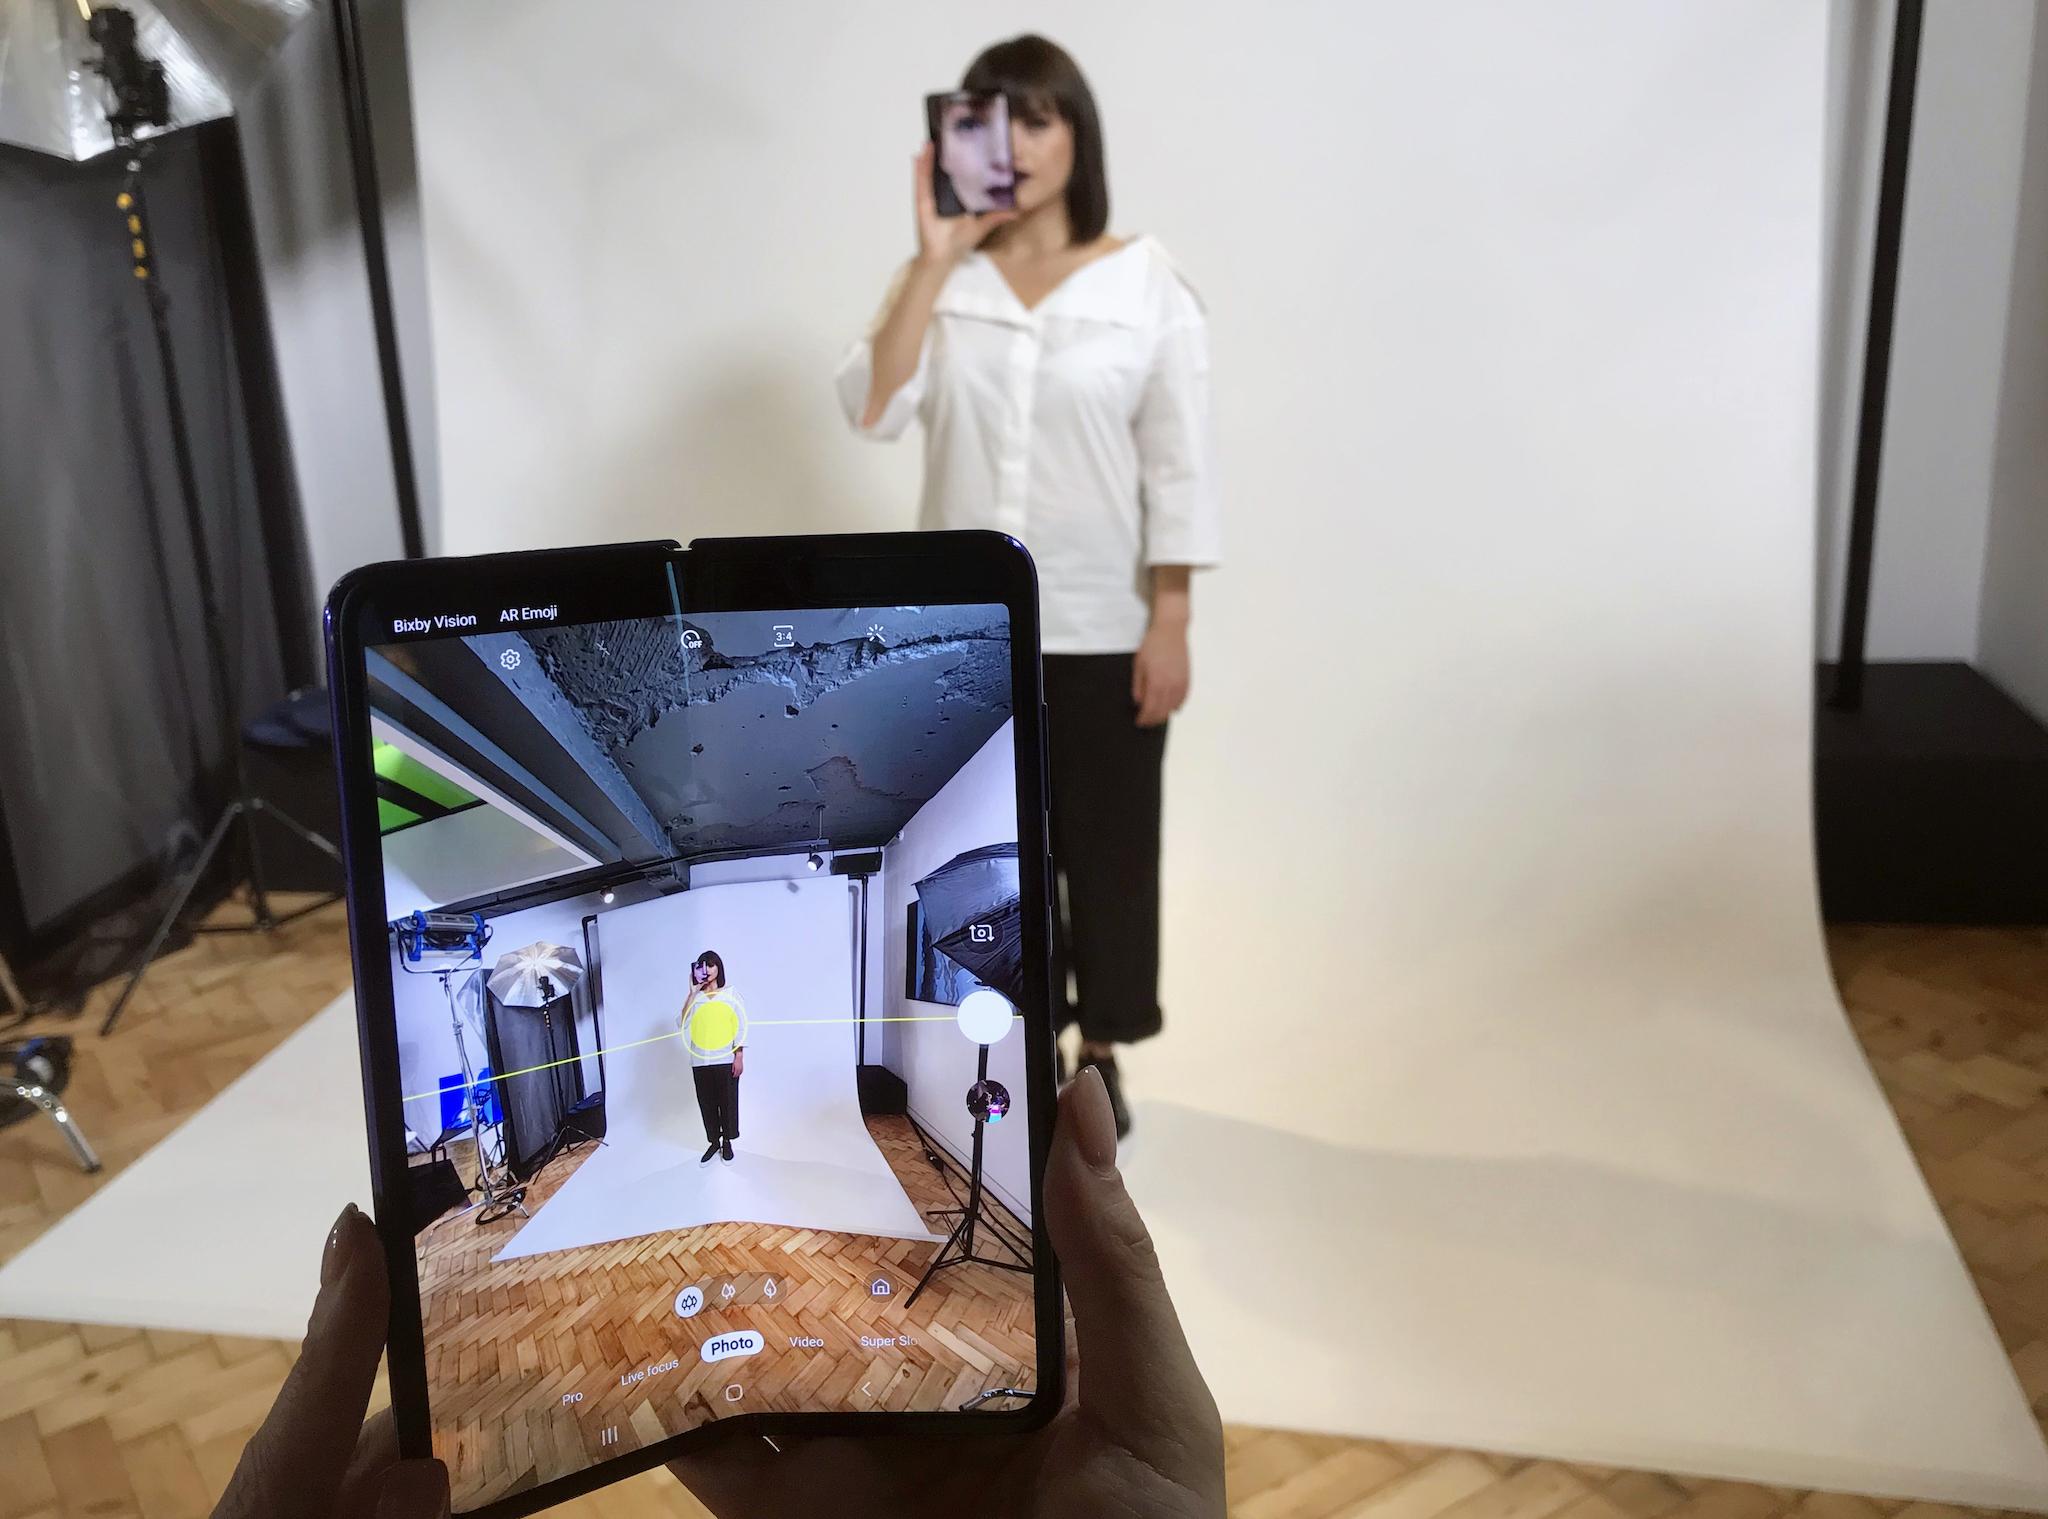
{"type": "Point", "coordinates": [390, 815]}
{"type": "Point", "coordinates": [394, 764]}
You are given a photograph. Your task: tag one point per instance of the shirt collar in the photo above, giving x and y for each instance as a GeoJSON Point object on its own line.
{"type": "Point", "coordinates": [1110, 290]}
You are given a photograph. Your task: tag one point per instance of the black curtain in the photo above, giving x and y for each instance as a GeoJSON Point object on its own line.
{"type": "Point", "coordinates": [540, 1041]}
{"type": "Point", "coordinates": [112, 755]}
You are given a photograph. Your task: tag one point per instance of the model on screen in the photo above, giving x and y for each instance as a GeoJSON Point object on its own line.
{"type": "Point", "coordinates": [714, 1024]}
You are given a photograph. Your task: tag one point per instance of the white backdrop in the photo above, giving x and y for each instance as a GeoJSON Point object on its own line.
{"type": "Point", "coordinates": [804, 1157]}
{"type": "Point", "coordinates": [1505, 1099]}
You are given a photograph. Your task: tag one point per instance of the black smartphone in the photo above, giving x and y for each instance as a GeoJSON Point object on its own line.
{"type": "Point", "coordinates": [972, 170]}
{"type": "Point", "coordinates": [700, 912]}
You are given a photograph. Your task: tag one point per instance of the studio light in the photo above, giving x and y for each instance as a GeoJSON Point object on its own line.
{"type": "Point", "coordinates": [816, 861]}
{"type": "Point", "coordinates": [984, 1016]}
{"type": "Point", "coordinates": [609, 896]}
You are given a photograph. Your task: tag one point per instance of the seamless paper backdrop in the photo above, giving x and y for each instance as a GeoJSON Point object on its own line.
{"type": "Point", "coordinates": [1505, 1098]}
{"type": "Point", "coordinates": [804, 1158]}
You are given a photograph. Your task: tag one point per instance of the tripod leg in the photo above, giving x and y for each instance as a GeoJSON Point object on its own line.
{"type": "Point", "coordinates": [186, 887]}
{"type": "Point", "coordinates": [60, 1115]}
{"type": "Point", "coordinates": [259, 898]}
{"type": "Point", "coordinates": [939, 1263]}
{"type": "Point", "coordinates": [317, 840]}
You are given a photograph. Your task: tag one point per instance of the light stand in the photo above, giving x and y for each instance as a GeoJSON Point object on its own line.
{"type": "Point", "coordinates": [34, 1074]}
{"type": "Point", "coordinates": [463, 935]}
{"type": "Point", "coordinates": [141, 97]}
{"type": "Point", "coordinates": [959, 1248]}
{"type": "Point", "coordinates": [493, 1202]}
{"type": "Point", "coordinates": [569, 1135]}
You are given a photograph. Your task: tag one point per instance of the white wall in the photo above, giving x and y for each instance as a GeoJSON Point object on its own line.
{"type": "Point", "coordinates": [2014, 631]}
{"type": "Point", "coordinates": [792, 867]}
{"type": "Point", "coordinates": [937, 1062]}
{"type": "Point", "coordinates": [1949, 338]}
{"type": "Point", "coordinates": [310, 242]}
{"type": "Point", "coordinates": [1499, 758]}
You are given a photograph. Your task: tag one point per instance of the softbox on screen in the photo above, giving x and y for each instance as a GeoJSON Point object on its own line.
{"type": "Point", "coordinates": [535, 1050]}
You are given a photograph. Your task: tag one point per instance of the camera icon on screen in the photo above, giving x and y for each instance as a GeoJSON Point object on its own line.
{"type": "Point", "coordinates": [981, 933]}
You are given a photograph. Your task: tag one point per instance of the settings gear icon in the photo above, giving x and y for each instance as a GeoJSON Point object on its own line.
{"type": "Point", "coordinates": [509, 659]}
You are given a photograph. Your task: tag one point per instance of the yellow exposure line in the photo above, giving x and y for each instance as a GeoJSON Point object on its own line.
{"type": "Point", "coordinates": [657, 1038]}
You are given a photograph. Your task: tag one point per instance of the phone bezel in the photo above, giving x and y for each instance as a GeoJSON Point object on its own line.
{"type": "Point", "coordinates": [656, 578]}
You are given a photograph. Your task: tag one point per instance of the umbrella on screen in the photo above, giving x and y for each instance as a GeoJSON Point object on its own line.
{"type": "Point", "coordinates": [977, 921]}
{"type": "Point", "coordinates": [515, 981]}
{"type": "Point", "coordinates": [210, 51]}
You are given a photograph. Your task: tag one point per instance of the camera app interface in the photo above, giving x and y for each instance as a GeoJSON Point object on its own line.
{"type": "Point", "coordinates": [706, 943]}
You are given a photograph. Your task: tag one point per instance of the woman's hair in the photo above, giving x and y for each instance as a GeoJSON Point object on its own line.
{"type": "Point", "coordinates": [1037, 76]}
{"type": "Point", "coordinates": [710, 958]}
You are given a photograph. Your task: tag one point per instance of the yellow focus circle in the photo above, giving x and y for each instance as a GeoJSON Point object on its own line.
{"type": "Point", "coordinates": [713, 1028]}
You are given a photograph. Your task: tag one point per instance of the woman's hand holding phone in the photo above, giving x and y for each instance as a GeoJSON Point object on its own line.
{"type": "Point", "coordinates": [942, 241]}
{"type": "Point", "coordinates": [314, 1455]}
{"type": "Point", "coordinates": [1139, 1433]}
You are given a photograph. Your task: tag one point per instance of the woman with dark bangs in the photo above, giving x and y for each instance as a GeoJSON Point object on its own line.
{"type": "Point", "coordinates": [1061, 376]}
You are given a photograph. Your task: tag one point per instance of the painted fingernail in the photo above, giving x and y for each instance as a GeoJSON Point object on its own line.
{"type": "Point", "coordinates": [1094, 1120]}
{"type": "Point", "coordinates": [335, 1257]}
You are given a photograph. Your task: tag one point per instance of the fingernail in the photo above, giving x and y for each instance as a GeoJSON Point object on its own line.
{"type": "Point", "coordinates": [413, 1490]}
{"type": "Point", "coordinates": [340, 1241]}
{"type": "Point", "coordinates": [1094, 1120]}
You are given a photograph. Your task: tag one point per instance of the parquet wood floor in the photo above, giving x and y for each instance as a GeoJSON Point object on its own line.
{"type": "Point", "coordinates": [113, 1422]}
{"type": "Point", "coordinates": [542, 1364]}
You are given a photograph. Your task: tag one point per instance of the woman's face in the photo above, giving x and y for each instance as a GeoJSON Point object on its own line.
{"type": "Point", "coordinates": [974, 156]}
{"type": "Point", "coordinates": [1042, 145]}
{"type": "Point", "coordinates": [701, 973]}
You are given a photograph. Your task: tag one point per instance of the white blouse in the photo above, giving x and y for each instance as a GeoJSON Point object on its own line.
{"type": "Point", "coordinates": [1079, 426]}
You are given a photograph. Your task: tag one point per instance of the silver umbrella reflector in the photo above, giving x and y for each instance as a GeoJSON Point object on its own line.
{"type": "Point", "coordinates": [52, 100]}
{"type": "Point", "coordinates": [516, 980]}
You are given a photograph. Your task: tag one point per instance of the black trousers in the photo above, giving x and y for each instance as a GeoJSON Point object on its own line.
{"type": "Point", "coordinates": [718, 1101]}
{"type": "Point", "coordinates": [1105, 782]}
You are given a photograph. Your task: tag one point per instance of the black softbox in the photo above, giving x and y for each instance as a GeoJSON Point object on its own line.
{"type": "Point", "coordinates": [976, 918]}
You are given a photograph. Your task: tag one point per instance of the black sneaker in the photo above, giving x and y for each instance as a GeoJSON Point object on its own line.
{"type": "Point", "coordinates": [725, 1151]}
{"type": "Point", "coordinates": [1112, 1083]}
{"type": "Point", "coordinates": [709, 1151]}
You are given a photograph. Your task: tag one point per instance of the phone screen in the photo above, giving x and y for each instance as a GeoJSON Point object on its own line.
{"type": "Point", "coordinates": [706, 945]}
{"type": "Point", "coordinates": [972, 169]}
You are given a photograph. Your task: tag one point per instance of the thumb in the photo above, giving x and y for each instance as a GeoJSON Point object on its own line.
{"type": "Point", "coordinates": [303, 1449]}
{"type": "Point", "coordinates": [1138, 1378]}
{"type": "Point", "coordinates": [414, 1490]}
